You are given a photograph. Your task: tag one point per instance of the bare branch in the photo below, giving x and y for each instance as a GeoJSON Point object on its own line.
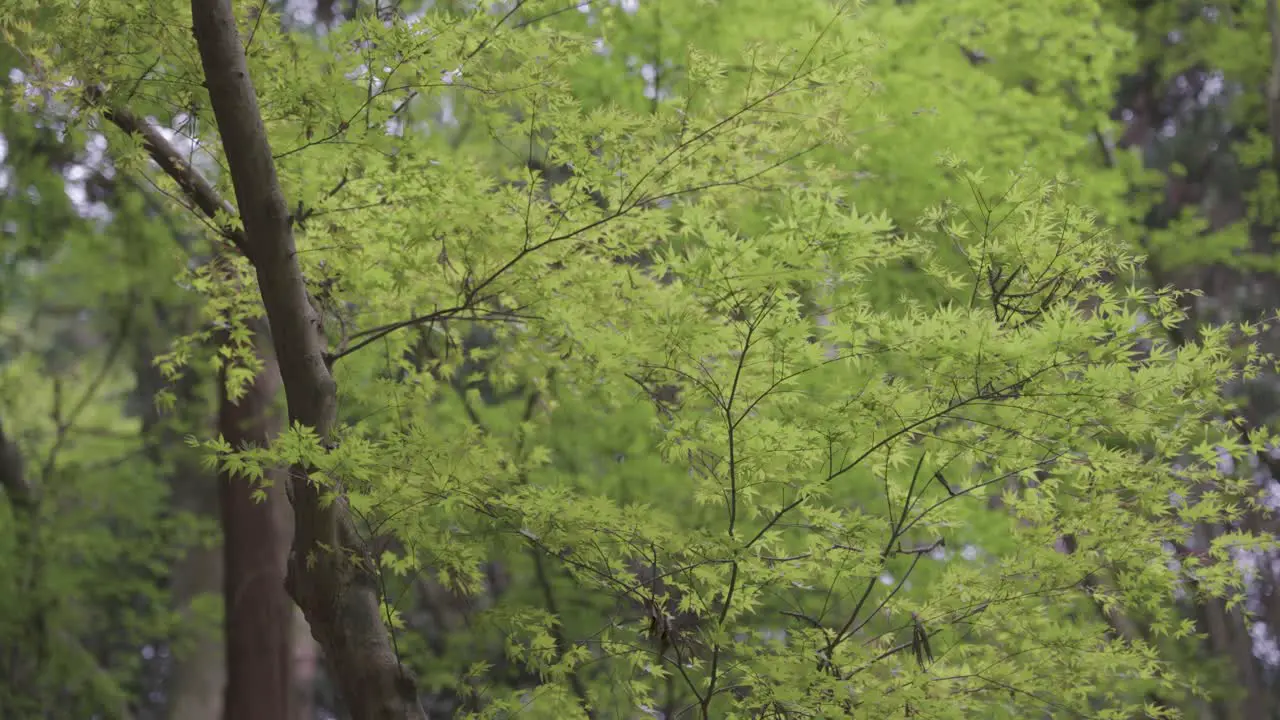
{"type": "Point", "coordinates": [194, 185]}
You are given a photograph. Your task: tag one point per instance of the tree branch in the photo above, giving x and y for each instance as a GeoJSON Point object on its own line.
{"type": "Point", "coordinates": [194, 185]}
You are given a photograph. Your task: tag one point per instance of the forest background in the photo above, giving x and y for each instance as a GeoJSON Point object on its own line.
{"type": "Point", "coordinates": [646, 358]}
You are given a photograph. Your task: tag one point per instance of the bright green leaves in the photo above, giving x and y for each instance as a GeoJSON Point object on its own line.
{"type": "Point", "coordinates": [775, 402]}
{"type": "Point", "coordinates": [230, 313]}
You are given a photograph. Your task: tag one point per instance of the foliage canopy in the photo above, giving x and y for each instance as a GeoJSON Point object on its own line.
{"type": "Point", "coordinates": [758, 414]}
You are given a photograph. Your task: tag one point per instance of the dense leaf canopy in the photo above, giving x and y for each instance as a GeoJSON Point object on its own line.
{"type": "Point", "coordinates": [719, 360]}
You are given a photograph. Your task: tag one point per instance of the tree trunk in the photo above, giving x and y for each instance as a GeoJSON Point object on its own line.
{"type": "Point", "coordinates": [331, 573]}
{"type": "Point", "coordinates": [259, 615]}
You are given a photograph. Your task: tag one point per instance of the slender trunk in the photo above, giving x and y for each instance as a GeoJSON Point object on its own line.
{"type": "Point", "coordinates": [331, 571]}
{"type": "Point", "coordinates": [326, 12]}
{"type": "Point", "coordinates": [304, 653]}
{"type": "Point", "coordinates": [259, 615]}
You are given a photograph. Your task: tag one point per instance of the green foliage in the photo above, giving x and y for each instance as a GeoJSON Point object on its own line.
{"type": "Point", "coordinates": [85, 564]}
{"type": "Point", "coordinates": [783, 409]}
{"type": "Point", "coordinates": [87, 548]}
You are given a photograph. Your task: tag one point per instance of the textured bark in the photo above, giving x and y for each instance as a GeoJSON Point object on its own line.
{"type": "Point", "coordinates": [259, 615]}
{"type": "Point", "coordinates": [336, 590]}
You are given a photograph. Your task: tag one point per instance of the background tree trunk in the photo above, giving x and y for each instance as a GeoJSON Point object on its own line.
{"type": "Point", "coordinates": [259, 615]}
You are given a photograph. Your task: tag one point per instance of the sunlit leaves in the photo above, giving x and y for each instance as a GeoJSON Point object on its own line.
{"type": "Point", "coordinates": [777, 401]}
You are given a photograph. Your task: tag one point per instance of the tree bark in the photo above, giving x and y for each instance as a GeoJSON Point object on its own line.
{"type": "Point", "coordinates": [259, 615]}
{"type": "Point", "coordinates": [331, 574]}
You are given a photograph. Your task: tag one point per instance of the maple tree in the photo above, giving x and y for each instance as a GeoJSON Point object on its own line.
{"type": "Point", "coordinates": [721, 409]}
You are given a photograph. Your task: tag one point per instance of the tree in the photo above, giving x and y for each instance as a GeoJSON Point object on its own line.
{"type": "Point", "coordinates": [702, 270]}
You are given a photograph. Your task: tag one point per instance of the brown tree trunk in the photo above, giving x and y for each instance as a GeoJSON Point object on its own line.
{"type": "Point", "coordinates": [259, 615]}
{"type": "Point", "coordinates": [305, 653]}
{"type": "Point", "coordinates": [331, 572]}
